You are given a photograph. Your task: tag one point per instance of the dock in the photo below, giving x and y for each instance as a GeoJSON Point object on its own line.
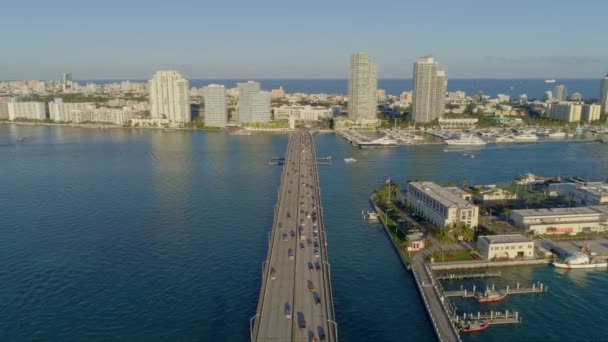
{"type": "Point", "coordinates": [464, 293]}
{"type": "Point", "coordinates": [492, 317]}
{"type": "Point", "coordinates": [296, 301]}
{"type": "Point", "coordinates": [466, 275]}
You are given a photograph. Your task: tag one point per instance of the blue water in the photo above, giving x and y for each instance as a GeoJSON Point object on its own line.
{"type": "Point", "coordinates": [144, 234]}
{"type": "Point", "coordinates": [534, 88]}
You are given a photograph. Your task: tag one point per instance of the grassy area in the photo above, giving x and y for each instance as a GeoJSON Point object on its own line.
{"type": "Point", "coordinates": [458, 255]}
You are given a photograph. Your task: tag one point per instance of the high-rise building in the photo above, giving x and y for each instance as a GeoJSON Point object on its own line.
{"type": "Point", "coordinates": [604, 95]}
{"type": "Point", "coordinates": [66, 77]}
{"type": "Point", "coordinates": [430, 85]}
{"type": "Point", "coordinates": [565, 111]}
{"type": "Point", "coordinates": [590, 113]}
{"type": "Point", "coordinates": [170, 97]}
{"type": "Point", "coordinates": [216, 113]}
{"type": "Point", "coordinates": [26, 110]}
{"type": "Point", "coordinates": [576, 97]}
{"type": "Point", "coordinates": [362, 84]}
{"type": "Point", "coordinates": [60, 111]}
{"type": "Point", "coordinates": [548, 95]}
{"type": "Point", "coordinates": [254, 104]}
{"type": "Point", "coordinates": [560, 93]}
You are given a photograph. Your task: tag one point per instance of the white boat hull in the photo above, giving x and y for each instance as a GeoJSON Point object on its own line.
{"type": "Point", "coordinates": [573, 266]}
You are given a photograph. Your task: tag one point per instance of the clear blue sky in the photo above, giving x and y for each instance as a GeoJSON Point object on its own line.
{"type": "Point", "coordinates": [130, 39]}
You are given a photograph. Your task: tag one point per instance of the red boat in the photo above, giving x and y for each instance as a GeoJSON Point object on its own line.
{"type": "Point", "coordinates": [469, 326]}
{"type": "Point", "coordinates": [490, 296]}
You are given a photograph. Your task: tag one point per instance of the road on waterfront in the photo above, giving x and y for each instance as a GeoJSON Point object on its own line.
{"type": "Point", "coordinates": [295, 302]}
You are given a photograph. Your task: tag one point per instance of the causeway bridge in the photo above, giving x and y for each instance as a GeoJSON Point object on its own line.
{"type": "Point", "coordinates": [295, 301]}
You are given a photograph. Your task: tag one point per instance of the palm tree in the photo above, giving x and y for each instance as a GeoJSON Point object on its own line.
{"type": "Point", "coordinates": [507, 212]}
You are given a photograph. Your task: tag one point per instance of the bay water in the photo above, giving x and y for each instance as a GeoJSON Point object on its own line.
{"type": "Point", "coordinates": [109, 234]}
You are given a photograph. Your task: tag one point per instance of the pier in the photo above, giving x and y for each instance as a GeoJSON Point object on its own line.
{"type": "Point", "coordinates": [492, 317]}
{"type": "Point", "coordinates": [296, 301]}
{"type": "Point", "coordinates": [464, 293]}
{"type": "Point", "coordinates": [466, 275]}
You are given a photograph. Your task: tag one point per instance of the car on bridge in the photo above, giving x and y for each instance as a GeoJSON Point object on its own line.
{"type": "Point", "coordinates": [290, 254]}
{"type": "Point", "coordinates": [310, 267]}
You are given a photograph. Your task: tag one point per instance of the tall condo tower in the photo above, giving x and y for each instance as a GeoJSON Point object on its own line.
{"type": "Point", "coordinates": [362, 86]}
{"type": "Point", "coordinates": [560, 93]}
{"type": "Point", "coordinates": [430, 85]}
{"type": "Point", "coordinates": [216, 113]}
{"type": "Point", "coordinates": [604, 95]}
{"type": "Point", "coordinates": [254, 104]}
{"type": "Point", "coordinates": [170, 97]}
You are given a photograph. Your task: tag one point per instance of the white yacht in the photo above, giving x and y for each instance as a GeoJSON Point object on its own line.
{"type": "Point", "coordinates": [350, 160]}
{"type": "Point", "coordinates": [380, 142]}
{"type": "Point", "coordinates": [524, 137]}
{"type": "Point", "coordinates": [580, 260]}
{"type": "Point", "coordinates": [558, 134]}
{"type": "Point", "coordinates": [465, 140]}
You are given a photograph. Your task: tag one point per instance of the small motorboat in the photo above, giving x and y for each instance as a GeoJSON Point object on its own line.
{"type": "Point", "coordinates": [473, 326]}
{"type": "Point", "coordinates": [490, 296]}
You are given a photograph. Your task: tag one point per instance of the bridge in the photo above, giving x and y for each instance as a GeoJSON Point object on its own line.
{"type": "Point", "coordinates": [295, 302]}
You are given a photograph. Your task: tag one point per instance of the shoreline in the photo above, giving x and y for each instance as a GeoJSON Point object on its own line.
{"type": "Point", "coordinates": [230, 129]}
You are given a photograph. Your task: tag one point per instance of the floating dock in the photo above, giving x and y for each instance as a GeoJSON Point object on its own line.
{"type": "Point", "coordinates": [492, 318]}
{"type": "Point", "coordinates": [464, 293]}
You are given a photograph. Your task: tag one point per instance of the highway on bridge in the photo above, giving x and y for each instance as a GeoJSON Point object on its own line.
{"type": "Point", "coordinates": [295, 302]}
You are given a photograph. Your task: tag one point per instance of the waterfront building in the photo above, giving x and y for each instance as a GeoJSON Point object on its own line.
{"type": "Point", "coordinates": [508, 246]}
{"type": "Point", "coordinates": [502, 98]}
{"type": "Point", "coordinates": [430, 84]}
{"type": "Point", "coordinates": [3, 108]}
{"type": "Point", "coordinates": [60, 111]}
{"type": "Point", "coordinates": [103, 115]}
{"type": "Point", "coordinates": [362, 84]}
{"type": "Point", "coordinates": [216, 111]}
{"type": "Point", "coordinates": [604, 95]}
{"type": "Point", "coordinates": [170, 97]}
{"type": "Point", "coordinates": [548, 95]}
{"type": "Point", "coordinates": [576, 97]}
{"type": "Point", "coordinates": [560, 93]}
{"type": "Point", "coordinates": [584, 193]}
{"type": "Point", "coordinates": [253, 104]}
{"type": "Point", "coordinates": [492, 193]}
{"type": "Point", "coordinates": [456, 95]}
{"type": "Point", "coordinates": [590, 112]}
{"type": "Point", "coordinates": [302, 113]}
{"type": "Point", "coordinates": [26, 110]}
{"type": "Point", "coordinates": [277, 93]}
{"type": "Point", "coordinates": [562, 220]}
{"type": "Point", "coordinates": [443, 206]}
{"type": "Point", "coordinates": [565, 111]}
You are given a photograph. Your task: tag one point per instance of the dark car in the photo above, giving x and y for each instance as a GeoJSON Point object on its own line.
{"type": "Point", "coordinates": [301, 244]}
{"type": "Point", "coordinates": [310, 268]}
{"type": "Point", "coordinates": [292, 233]}
{"type": "Point", "coordinates": [301, 320]}
{"type": "Point", "coordinates": [316, 298]}
{"type": "Point", "coordinates": [317, 265]}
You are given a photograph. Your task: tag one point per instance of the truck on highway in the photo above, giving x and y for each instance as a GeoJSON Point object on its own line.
{"type": "Point", "coordinates": [301, 320]}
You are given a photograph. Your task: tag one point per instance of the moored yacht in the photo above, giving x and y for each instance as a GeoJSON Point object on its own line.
{"type": "Point", "coordinates": [465, 140]}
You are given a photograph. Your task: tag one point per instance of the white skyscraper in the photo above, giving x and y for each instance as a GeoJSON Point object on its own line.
{"type": "Point", "coordinates": [560, 93]}
{"type": "Point", "coordinates": [170, 97]}
{"type": "Point", "coordinates": [604, 95]}
{"type": "Point", "coordinates": [430, 85]}
{"type": "Point", "coordinates": [216, 113]}
{"type": "Point", "coordinates": [362, 86]}
{"type": "Point", "coordinates": [254, 104]}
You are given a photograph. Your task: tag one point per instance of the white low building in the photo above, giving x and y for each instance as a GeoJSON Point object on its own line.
{"type": "Point", "coordinates": [26, 110]}
{"type": "Point", "coordinates": [510, 246]}
{"type": "Point", "coordinates": [302, 113]}
{"type": "Point", "coordinates": [584, 193]}
{"type": "Point", "coordinates": [101, 115]}
{"type": "Point", "coordinates": [489, 193]}
{"type": "Point", "coordinates": [443, 206]}
{"type": "Point", "coordinates": [562, 220]}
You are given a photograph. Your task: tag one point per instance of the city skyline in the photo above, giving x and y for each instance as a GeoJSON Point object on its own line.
{"type": "Point", "coordinates": [502, 41]}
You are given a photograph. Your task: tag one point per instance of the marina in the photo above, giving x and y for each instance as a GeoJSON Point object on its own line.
{"type": "Point", "coordinates": [473, 293]}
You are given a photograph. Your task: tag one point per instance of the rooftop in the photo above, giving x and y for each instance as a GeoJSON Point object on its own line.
{"type": "Point", "coordinates": [592, 210]}
{"type": "Point", "coordinates": [449, 196]}
{"type": "Point", "coordinates": [508, 238]}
